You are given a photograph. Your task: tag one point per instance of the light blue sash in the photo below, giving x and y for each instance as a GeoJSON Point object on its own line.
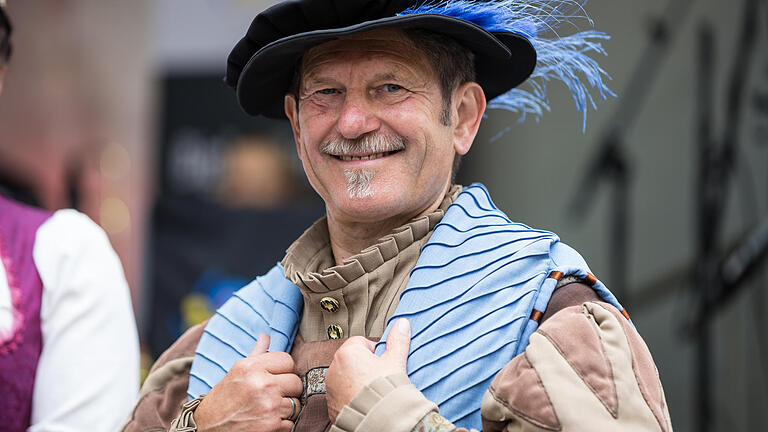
{"type": "Point", "coordinates": [469, 300]}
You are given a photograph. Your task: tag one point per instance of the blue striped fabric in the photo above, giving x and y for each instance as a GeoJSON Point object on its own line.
{"type": "Point", "coordinates": [270, 304]}
{"type": "Point", "coordinates": [469, 299]}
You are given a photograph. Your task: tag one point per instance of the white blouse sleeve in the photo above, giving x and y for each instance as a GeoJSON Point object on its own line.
{"type": "Point", "coordinates": [88, 374]}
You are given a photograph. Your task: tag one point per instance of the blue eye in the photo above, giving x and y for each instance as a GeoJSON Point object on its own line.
{"type": "Point", "coordinates": [392, 88]}
{"type": "Point", "coordinates": [328, 91]}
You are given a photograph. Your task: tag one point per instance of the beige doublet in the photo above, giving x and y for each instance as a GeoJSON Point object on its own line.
{"type": "Point", "coordinates": [360, 294]}
{"type": "Point", "coordinates": [586, 368]}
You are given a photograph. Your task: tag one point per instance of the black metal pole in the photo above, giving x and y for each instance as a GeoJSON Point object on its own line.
{"type": "Point", "coordinates": [620, 224]}
{"type": "Point", "coordinates": [704, 216]}
{"type": "Point", "coordinates": [715, 169]}
{"type": "Point", "coordinates": [610, 161]}
{"type": "Point", "coordinates": [662, 33]}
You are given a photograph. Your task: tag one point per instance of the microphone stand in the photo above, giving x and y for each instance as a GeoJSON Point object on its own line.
{"type": "Point", "coordinates": [610, 161]}
{"type": "Point", "coordinates": [742, 262]}
{"type": "Point", "coordinates": [716, 160]}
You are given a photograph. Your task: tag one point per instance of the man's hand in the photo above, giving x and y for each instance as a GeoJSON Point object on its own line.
{"type": "Point", "coordinates": [355, 365]}
{"type": "Point", "coordinates": [254, 395]}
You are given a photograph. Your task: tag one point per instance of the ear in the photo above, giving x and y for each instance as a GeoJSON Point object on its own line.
{"type": "Point", "coordinates": [292, 112]}
{"type": "Point", "coordinates": [469, 106]}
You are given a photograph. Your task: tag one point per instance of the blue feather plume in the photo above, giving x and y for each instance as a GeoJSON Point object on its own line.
{"type": "Point", "coordinates": [565, 59]}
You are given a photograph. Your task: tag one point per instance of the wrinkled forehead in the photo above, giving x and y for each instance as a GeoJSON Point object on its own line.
{"type": "Point", "coordinates": [388, 46]}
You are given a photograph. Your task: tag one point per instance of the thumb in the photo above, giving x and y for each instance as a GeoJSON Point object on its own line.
{"type": "Point", "coordinates": [399, 342]}
{"type": "Point", "coordinates": [262, 344]}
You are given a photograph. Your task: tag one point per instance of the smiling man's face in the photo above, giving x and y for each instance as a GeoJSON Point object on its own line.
{"type": "Point", "coordinates": [368, 130]}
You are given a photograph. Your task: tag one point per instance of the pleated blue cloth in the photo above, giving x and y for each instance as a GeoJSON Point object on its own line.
{"type": "Point", "coordinates": [469, 300]}
{"type": "Point", "coordinates": [270, 304]}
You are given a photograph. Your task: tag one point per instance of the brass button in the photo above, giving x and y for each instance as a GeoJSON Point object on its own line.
{"type": "Point", "coordinates": [329, 303]}
{"type": "Point", "coordinates": [335, 331]}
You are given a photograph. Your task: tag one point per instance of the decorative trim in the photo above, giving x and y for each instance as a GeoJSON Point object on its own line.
{"type": "Point", "coordinates": [536, 315]}
{"type": "Point", "coordinates": [14, 336]}
{"type": "Point", "coordinates": [566, 280]}
{"type": "Point", "coordinates": [433, 422]}
{"type": "Point", "coordinates": [185, 422]}
{"type": "Point", "coordinates": [556, 275]}
{"type": "Point", "coordinates": [625, 313]}
{"type": "Point", "coordinates": [314, 383]}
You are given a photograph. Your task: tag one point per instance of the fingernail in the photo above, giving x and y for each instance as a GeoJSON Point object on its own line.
{"type": "Point", "coordinates": [404, 326]}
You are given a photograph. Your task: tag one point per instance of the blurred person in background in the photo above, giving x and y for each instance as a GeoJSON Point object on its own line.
{"type": "Point", "coordinates": [68, 342]}
{"type": "Point", "coordinates": [480, 322]}
{"type": "Point", "coordinates": [256, 174]}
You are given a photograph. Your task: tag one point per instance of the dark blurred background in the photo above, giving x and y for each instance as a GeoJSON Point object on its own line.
{"type": "Point", "coordinates": [118, 109]}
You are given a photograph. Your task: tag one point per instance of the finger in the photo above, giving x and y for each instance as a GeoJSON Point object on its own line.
{"type": "Point", "coordinates": [286, 426]}
{"type": "Point", "coordinates": [262, 344]}
{"type": "Point", "coordinates": [360, 341]}
{"type": "Point", "coordinates": [399, 342]}
{"type": "Point", "coordinates": [289, 384]}
{"type": "Point", "coordinates": [290, 408]}
{"type": "Point", "coordinates": [277, 362]}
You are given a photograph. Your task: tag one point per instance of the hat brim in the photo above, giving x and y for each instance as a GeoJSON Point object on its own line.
{"type": "Point", "coordinates": [502, 60]}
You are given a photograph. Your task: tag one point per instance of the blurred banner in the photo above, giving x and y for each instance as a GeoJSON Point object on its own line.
{"type": "Point", "coordinates": [232, 199]}
{"type": "Point", "coordinates": [203, 252]}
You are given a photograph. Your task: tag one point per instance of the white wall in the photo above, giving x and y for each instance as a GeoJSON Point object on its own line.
{"type": "Point", "coordinates": [196, 35]}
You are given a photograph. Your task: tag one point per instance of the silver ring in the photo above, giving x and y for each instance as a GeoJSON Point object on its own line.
{"type": "Point", "coordinates": [293, 409]}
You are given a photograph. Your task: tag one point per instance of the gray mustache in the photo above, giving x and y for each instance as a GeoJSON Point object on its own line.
{"type": "Point", "coordinates": [369, 143]}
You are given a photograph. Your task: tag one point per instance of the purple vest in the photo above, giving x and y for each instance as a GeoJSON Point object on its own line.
{"type": "Point", "coordinates": [20, 346]}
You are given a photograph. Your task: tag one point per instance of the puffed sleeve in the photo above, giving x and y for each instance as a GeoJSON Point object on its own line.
{"type": "Point", "coordinates": [164, 393]}
{"type": "Point", "coordinates": [88, 373]}
{"type": "Point", "coordinates": [586, 368]}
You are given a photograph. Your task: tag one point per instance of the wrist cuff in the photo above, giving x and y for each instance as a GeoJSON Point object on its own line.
{"type": "Point", "coordinates": [185, 422]}
{"type": "Point", "coordinates": [388, 403]}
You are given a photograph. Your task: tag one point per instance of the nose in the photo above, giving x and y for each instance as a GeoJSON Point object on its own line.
{"type": "Point", "coordinates": [356, 119]}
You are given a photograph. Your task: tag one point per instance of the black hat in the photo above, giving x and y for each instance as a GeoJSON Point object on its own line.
{"type": "Point", "coordinates": [261, 66]}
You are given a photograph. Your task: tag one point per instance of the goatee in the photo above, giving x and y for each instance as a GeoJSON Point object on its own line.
{"type": "Point", "coordinates": [360, 181]}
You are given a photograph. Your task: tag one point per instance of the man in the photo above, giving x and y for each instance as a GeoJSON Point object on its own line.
{"type": "Point", "coordinates": [69, 351]}
{"type": "Point", "coordinates": [383, 98]}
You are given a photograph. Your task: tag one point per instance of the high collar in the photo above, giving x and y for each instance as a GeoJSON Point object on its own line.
{"type": "Point", "coordinates": [309, 261]}
{"type": "Point", "coordinates": [366, 287]}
